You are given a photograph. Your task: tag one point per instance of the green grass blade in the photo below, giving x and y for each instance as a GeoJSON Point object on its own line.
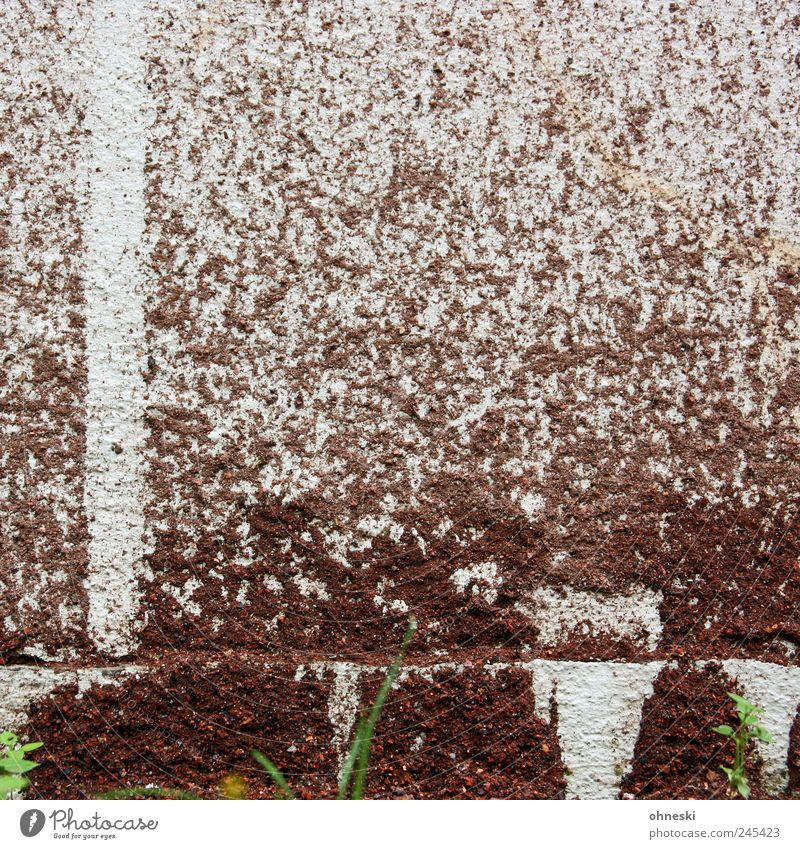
{"type": "Point", "coordinates": [148, 793]}
{"type": "Point", "coordinates": [275, 774]}
{"type": "Point", "coordinates": [375, 713]}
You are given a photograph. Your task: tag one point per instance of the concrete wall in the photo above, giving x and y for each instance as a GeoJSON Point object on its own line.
{"type": "Point", "coordinates": [314, 314]}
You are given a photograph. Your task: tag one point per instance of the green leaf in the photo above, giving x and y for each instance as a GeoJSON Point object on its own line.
{"type": "Point", "coordinates": [728, 771]}
{"type": "Point", "coordinates": [742, 705]}
{"type": "Point", "coordinates": [8, 739]}
{"type": "Point", "coordinates": [275, 774]}
{"type": "Point", "coordinates": [725, 730]}
{"type": "Point", "coordinates": [742, 786]}
{"type": "Point", "coordinates": [31, 747]}
{"type": "Point", "coordinates": [9, 783]}
{"type": "Point", "coordinates": [16, 765]}
{"type": "Point", "coordinates": [375, 713]}
{"type": "Point", "coordinates": [762, 734]}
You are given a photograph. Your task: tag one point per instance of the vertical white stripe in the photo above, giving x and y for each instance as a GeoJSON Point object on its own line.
{"type": "Point", "coordinates": [115, 430]}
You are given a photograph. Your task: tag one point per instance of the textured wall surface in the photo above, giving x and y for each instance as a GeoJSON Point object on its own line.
{"type": "Point", "coordinates": [315, 314]}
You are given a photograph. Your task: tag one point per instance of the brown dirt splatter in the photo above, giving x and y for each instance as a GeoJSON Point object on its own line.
{"type": "Point", "coordinates": [677, 755]}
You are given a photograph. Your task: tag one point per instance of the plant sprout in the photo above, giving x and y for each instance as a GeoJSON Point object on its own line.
{"type": "Point", "coordinates": [14, 764]}
{"type": "Point", "coordinates": [357, 761]}
{"type": "Point", "coordinates": [748, 729]}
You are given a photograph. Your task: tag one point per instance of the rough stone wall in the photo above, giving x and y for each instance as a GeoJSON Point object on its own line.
{"type": "Point", "coordinates": [315, 314]}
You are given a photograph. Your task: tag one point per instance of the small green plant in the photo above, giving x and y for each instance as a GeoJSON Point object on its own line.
{"type": "Point", "coordinates": [357, 762]}
{"type": "Point", "coordinates": [14, 764]}
{"type": "Point", "coordinates": [354, 773]}
{"type": "Point", "coordinates": [748, 729]}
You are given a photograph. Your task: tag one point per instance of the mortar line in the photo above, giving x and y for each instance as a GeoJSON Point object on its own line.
{"type": "Point", "coordinates": [115, 429]}
{"type": "Point", "coordinates": [418, 665]}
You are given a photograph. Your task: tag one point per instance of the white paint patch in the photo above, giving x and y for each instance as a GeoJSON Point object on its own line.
{"type": "Point", "coordinates": [483, 579]}
{"type": "Point", "coordinates": [241, 596]}
{"type": "Point", "coordinates": [532, 504]}
{"type": "Point", "coordinates": [775, 689]}
{"type": "Point", "coordinates": [115, 430]}
{"type": "Point", "coordinates": [343, 701]}
{"type": "Point", "coordinates": [310, 586]}
{"type": "Point", "coordinates": [599, 708]}
{"type": "Point", "coordinates": [272, 584]}
{"type": "Point", "coordinates": [559, 613]}
{"type": "Point", "coordinates": [183, 595]}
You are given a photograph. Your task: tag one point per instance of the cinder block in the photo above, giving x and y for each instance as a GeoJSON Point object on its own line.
{"type": "Point", "coordinates": [43, 543]}
{"type": "Point", "coordinates": [311, 319]}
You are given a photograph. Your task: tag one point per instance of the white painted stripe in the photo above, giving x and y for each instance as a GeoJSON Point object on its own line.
{"type": "Point", "coordinates": [562, 615]}
{"type": "Point", "coordinates": [115, 430]}
{"type": "Point", "coordinates": [23, 686]}
{"type": "Point", "coordinates": [776, 690]}
{"type": "Point", "coordinates": [344, 701]}
{"type": "Point", "coordinates": [599, 708]}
